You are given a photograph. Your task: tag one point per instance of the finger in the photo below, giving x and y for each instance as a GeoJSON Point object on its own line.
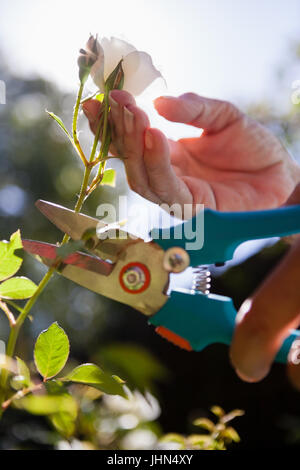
{"type": "Point", "coordinates": [132, 123]}
{"type": "Point", "coordinates": [135, 123]}
{"type": "Point", "coordinates": [92, 110]}
{"type": "Point", "coordinates": [118, 100]}
{"type": "Point", "coordinates": [129, 125]}
{"type": "Point", "coordinates": [265, 321]}
{"type": "Point", "coordinates": [205, 113]}
{"type": "Point", "coordinates": [161, 175]}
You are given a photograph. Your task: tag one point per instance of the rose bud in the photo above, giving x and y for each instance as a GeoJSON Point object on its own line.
{"type": "Point", "coordinates": [92, 53]}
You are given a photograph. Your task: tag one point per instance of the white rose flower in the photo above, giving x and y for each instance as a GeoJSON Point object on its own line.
{"type": "Point", "coordinates": [138, 68]}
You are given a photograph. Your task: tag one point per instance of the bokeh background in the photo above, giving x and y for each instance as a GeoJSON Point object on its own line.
{"type": "Point", "coordinates": [246, 52]}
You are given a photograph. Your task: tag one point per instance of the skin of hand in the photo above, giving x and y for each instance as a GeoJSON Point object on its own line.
{"type": "Point", "coordinates": [235, 165]}
{"type": "Point", "coordinates": [264, 321]}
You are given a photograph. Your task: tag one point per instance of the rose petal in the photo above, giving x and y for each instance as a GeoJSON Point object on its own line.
{"type": "Point", "coordinates": [97, 70]}
{"type": "Point", "coordinates": [139, 72]}
{"type": "Point", "coordinates": [114, 50]}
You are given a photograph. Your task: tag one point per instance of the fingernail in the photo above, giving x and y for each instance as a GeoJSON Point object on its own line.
{"type": "Point", "coordinates": [148, 140]}
{"type": "Point", "coordinates": [254, 365]}
{"type": "Point", "coordinates": [161, 99]}
{"type": "Point", "coordinates": [165, 97]}
{"type": "Point", "coordinates": [128, 120]}
{"type": "Point", "coordinates": [244, 377]}
{"type": "Point", "coordinates": [113, 103]}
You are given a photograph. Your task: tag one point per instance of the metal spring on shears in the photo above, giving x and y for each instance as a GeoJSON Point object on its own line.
{"type": "Point", "coordinates": [201, 279]}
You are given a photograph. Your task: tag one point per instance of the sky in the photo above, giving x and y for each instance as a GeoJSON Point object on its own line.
{"type": "Point", "coordinates": [219, 48]}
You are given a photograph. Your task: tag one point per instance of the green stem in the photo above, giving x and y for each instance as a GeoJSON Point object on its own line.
{"type": "Point", "coordinates": [82, 194]}
{"type": "Point", "coordinates": [105, 144]}
{"type": "Point", "coordinates": [74, 124]}
{"type": "Point", "coordinates": [14, 305]}
{"type": "Point", "coordinates": [23, 315]}
{"type": "Point", "coordinates": [105, 128]}
{"type": "Point", "coordinates": [14, 331]}
{"type": "Point", "coordinates": [96, 139]}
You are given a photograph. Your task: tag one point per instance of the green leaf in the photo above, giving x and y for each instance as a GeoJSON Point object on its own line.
{"type": "Point", "coordinates": [51, 351]}
{"type": "Point", "coordinates": [61, 124]}
{"type": "Point", "coordinates": [202, 441]}
{"type": "Point", "coordinates": [173, 437]}
{"type": "Point", "coordinates": [48, 404]}
{"type": "Point", "coordinates": [138, 365]}
{"type": "Point", "coordinates": [109, 177]}
{"type": "Point", "coordinates": [18, 382]}
{"type": "Point", "coordinates": [64, 423]}
{"type": "Point", "coordinates": [230, 416]}
{"type": "Point", "coordinates": [218, 411]}
{"type": "Point", "coordinates": [9, 262]}
{"type": "Point", "coordinates": [55, 387]}
{"type": "Point", "coordinates": [99, 97]}
{"type": "Point", "coordinates": [17, 288]}
{"type": "Point", "coordinates": [63, 127]}
{"type": "Point", "coordinates": [115, 81]}
{"type": "Point", "coordinates": [85, 373]}
{"type": "Point", "coordinates": [24, 372]}
{"type": "Point", "coordinates": [205, 424]}
{"type": "Point", "coordinates": [92, 375]}
{"type": "Point", "coordinates": [231, 435]}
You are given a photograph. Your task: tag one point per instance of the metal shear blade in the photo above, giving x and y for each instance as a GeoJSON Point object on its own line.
{"type": "Point", "coordinates": [134, 274]}
{"type": "Point", "coordinates": [47, 254]}
{"type": "Point", "coordinates": [69, 222]}
{"type": "Point", "coordinates": [95, 234]}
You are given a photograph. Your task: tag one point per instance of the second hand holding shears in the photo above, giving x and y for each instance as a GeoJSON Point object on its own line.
{"type": "Point", "coordinates": [138, 273]}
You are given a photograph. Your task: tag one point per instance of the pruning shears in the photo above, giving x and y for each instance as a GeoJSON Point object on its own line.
{"type": "Point", "coordinates": [141, 274]}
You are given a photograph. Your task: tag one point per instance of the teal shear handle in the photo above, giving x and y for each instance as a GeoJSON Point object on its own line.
{"type": "Point", "coordinates": [224, 231]}
{"type": "Point", "coordinates": [205, 319]}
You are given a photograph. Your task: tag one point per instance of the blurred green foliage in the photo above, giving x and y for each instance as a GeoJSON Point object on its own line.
{"type": "Point", "coordinates": [140, 368]}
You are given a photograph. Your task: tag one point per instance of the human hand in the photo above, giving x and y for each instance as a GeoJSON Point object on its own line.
{"type": "Point", "coordinates": [264, 321]}
{"type": "Point", "coordinates": [236, 164]}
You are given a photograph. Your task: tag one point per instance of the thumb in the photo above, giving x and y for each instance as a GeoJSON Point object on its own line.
{"type": "Point", "coordinates": [208, 114]}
